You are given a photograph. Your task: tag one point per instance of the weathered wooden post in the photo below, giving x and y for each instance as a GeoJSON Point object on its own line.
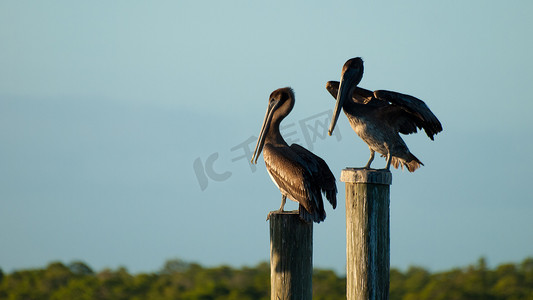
{"type": "Point", "coordinates": [291, 256]}
{"type": "Point", "coordinates": [367, 233]}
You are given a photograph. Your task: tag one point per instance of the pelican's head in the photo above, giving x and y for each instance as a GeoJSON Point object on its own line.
{"type": "Point", "coordinates": [280, 104]}
{"type": "Point", "coordinates": [351, 75]}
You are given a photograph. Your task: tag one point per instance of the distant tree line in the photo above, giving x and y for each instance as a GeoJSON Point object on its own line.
{"type": "Point", "coordinates": [181, 280]}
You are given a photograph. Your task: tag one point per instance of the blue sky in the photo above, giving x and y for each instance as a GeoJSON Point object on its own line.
{"type": "Point", "coordinates": [123, 127]}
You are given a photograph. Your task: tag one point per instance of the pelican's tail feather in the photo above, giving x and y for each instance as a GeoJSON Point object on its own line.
{"type": "Point", "coordinates": [412, 164]}
{"type": "Point", "coordinates": [317, 216]}
{"type": "Point", "coordinates": [331, 195]}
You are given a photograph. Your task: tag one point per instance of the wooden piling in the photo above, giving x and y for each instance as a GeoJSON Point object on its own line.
{"type": "Point", "coordinates": [291, 256]}
{"type": "Point", "coordinates": [367, 233]}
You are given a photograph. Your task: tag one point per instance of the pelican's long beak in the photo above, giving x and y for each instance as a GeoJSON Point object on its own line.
{"type": "Point", "coordinates": [349, 80]}
{"type": "Point", "coordinates": [272, 106]}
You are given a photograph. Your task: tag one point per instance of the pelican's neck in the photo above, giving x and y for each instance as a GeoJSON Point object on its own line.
{"type": "Point", "coordinates": [274, 135]}
{"type": "Point", "coordinates": [353, 107]}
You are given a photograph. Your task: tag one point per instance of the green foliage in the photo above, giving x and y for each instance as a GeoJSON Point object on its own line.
{"type": "Point", "coordinates": [181, 280]}
{"type": "Point", "coordinates": [328, 286]}
{"type": "Point", "coordinates": [506, 282]}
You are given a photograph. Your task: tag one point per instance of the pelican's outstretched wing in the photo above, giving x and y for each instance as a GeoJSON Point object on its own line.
{"type": "Point", "coordinates": [360, 95]}
{"type": "Point", "coordinates": [407, 112]}
{"type": "Point", "coordinates": [421, 115]}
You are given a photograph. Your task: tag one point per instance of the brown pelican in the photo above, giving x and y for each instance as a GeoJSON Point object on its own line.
{"type": "Point", "coordinates": [297, 172]}
{"type": "Point", "coordinates": [377, 117]}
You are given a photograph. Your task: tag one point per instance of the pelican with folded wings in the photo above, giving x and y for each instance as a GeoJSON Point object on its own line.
{"type": "Point", "coordinates": [299, 174]}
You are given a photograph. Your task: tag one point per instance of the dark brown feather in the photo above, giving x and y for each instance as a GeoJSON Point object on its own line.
{"type": "Point", "coordinates": [296, 179]}
{"type": "Point", "coordinates": [321, 174]}
{"type": "Point", "coordinates": [418, 113]}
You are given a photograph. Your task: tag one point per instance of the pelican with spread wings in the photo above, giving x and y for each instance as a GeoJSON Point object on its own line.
{"type": "Point", "coordinates": [379, 117]}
